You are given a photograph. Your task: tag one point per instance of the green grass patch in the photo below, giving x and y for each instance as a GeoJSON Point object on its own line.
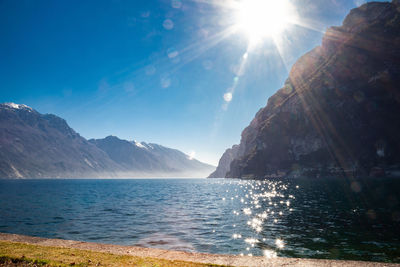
{"type": "Point", "coordinates": [20, 254]}
{"type": "Point", "coordinates": [10, 261]}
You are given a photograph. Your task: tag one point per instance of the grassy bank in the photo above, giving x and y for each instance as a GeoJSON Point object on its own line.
{"type": "Point", "coordinates": [20, 254]}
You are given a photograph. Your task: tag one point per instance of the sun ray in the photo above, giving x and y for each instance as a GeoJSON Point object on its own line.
{"type": "Point", "coordinates": [278, 45]}
{"type": "Point", "coordinates": [308, 25]}
{"type": "Point", "coordinates": [197, 48]}
{"type": "Point", "coordinates": [260, 19]}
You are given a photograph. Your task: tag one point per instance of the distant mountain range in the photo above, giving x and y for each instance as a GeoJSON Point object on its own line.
{"type": "Point", "coordinates": [34, 145]}
{"type": "Point", "coordinates": [338, 114]}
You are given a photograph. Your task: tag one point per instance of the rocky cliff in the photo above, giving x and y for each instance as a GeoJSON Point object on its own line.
{"type": "Point", "coordinates": [225, 162]}
{"type": "Point", "coordinates": [34, 145]}
{"type": "Point", "coordinates": [339, 111]}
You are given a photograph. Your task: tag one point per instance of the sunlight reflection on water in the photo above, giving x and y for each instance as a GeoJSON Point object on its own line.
{"type": "Point", "coordinates": [291, 218]}
{"type": "Point", "coordinates": [265, 203]}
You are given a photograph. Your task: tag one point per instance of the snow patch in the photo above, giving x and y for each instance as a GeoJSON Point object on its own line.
{"type": "Point", "coordinates": [138, 144]}
{"type": "Point", "coordinates": [149, 146]}
{"type": "Point", "coordinates": [16, 172]}
{"type": "Point", "coordinates": [88, 162]}
{"type": "Point", "coordinates": [18, 106]}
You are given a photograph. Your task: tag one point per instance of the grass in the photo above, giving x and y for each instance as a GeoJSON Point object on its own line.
{"type": "Point", "coordinates": [20, 254]}
{"type": "Point", "coordinates": [10, 261]}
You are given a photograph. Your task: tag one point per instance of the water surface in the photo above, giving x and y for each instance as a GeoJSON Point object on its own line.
{"type": "Point", "coordinates": [325, 218]}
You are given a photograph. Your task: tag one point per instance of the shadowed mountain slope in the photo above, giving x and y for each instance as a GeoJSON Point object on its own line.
{"type": "Point", "coordinates": [339, 111]}
{"type": "Point", "coordinates": [36, 145]}
{"type": "Point", "coordinates": [33, 145]}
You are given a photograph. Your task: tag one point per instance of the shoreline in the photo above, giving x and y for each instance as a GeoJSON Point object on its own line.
{"type": "Point", "coordinates": [196, 258]}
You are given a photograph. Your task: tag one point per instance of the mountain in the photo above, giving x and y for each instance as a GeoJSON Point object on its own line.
{"type": "Point", "coordinates": [33, 145]}
{"type": "Point", "coordinates": [225, 162]}
{"type": "Point", "coordinates": [338, 113]}
{"type": "Point", "coordinates": [142, 158]}
{"type": "Point", "coordinates": [36, 145]}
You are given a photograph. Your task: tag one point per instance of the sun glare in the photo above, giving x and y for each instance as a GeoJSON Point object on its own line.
{"type": "Point", "coordinates": [260, 19]}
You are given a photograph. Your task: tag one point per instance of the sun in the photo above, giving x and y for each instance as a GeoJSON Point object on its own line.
{"type": "Point", "coordinates": [260, 19]}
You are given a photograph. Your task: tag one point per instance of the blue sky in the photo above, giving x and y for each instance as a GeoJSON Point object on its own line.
{"type": "Point", "coordinates": [153, 71]}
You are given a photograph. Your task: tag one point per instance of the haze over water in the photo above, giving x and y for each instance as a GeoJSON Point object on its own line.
{"type": "Point", "coordinates": [330, 218]}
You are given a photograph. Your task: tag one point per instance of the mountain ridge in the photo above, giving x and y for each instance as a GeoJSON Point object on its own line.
{"type": "Point", "coordinates": [142, 157]}
{"type": "Point", "coordinates": [34, 145]}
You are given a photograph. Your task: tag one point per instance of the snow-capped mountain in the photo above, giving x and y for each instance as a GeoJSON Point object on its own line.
{"type": "Point", "coordinates": [141, 157]}
{"type": "Point", "coordinates": [34, 145]}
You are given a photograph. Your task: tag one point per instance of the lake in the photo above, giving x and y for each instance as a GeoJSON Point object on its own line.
{"type": "Point", "coordinates": [311, 218]}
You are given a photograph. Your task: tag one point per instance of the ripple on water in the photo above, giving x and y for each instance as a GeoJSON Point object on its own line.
{"type": "Point", "coordinates": [164, 241]}
{"type": "Point", "coordinates": [311, 218]}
